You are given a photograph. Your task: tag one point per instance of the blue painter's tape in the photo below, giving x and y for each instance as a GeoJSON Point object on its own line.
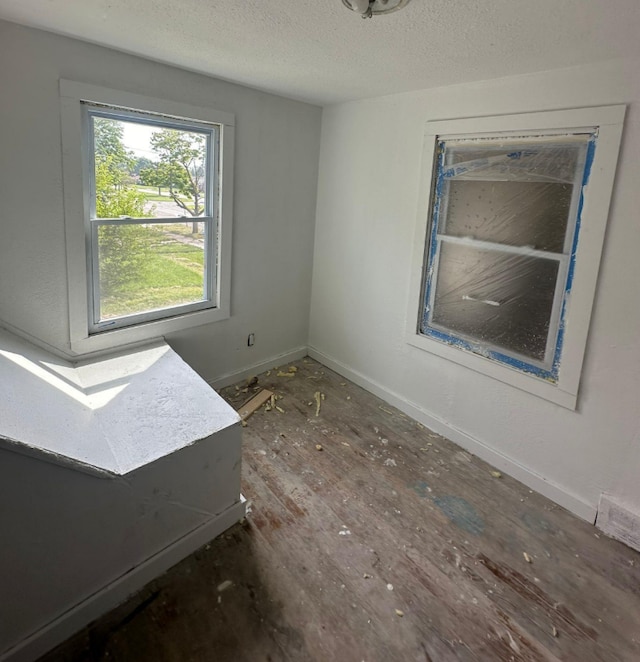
{"type": "Point", "coordinates": [475, 348]}
{"type": "Point", "coordinates": [591, 149]}
{"type": "Point", "coordinates": [519, 364]}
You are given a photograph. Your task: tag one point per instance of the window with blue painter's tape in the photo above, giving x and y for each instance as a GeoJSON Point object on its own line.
{"type": "Point", "coordinates": [505, 220]}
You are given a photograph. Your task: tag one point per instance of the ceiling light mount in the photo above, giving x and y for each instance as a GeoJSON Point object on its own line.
{"type": "Point", "coordinates": [369, 8]}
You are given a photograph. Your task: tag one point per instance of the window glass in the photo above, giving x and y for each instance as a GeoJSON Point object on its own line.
{"type": "Point", "coordinates": [143, 168]}
{"type": "Point", "coordinates": [148, 170]}
{"type": "Point", "coordinates": [147, 267]}
{"type": "Point", "coordinates": [517, 213]}
{"type": "Point", "coordinates": [498, 298]}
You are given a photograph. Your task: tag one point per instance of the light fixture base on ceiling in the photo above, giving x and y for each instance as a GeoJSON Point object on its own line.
{"type": "Point", "coordinates": [369, 8]}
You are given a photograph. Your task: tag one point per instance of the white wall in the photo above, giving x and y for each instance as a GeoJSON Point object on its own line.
{"type": "Point", "coordinates": [75, 545]}
{"type": "Point", "coordinates": [277, 143]}
{"type": "Point", "coordinates": [110, 473]}
{"type": "Point", "coordinates": [367, 202]}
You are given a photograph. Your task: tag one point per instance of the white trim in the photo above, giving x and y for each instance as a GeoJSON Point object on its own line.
{"type": "Point", "coordinates": [76, 201]}
{"type": "Point", "coordinates": [556, 493]}
{"type": "Point", "coordinates": [503, 373]}
{"type": "Point", "coordinates": [549, 121]}
{"type": "Point", "coordinates": [608, 121]}
{"type": "Point", "coordinates": [255, 369]}
{"type": "Point", "coordinates": [116, 592]}
{"type": "Point", "coordinates": [75, 90]}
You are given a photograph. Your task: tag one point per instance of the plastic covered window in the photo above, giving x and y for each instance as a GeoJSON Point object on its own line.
{"type": "Point", "coordinates": [504, 226]}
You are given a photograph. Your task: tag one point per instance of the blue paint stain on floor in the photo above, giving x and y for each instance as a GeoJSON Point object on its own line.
{"type": "Point", "coordinates": [421, 488]}
{"type": "Point", "coordinates": [461, 513]}
{"type": "Point", "coordinates": [537, 524]}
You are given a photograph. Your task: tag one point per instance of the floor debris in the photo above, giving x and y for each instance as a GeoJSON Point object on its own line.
{"type": "Point", "coordinates": [287, 601]}
{"type": "Point", "coordinates": [286, 374]}
{"type": "Point", "coordinates": [390, 463]}
{"type": "Point", "coordinates": [385, 410]}
{"type": "Point", "coordinates": [496, 474]}
{"type": "Point", "coordinates": [252, 405]}
{"type": "Point", "coordinates": [527, 558]}
{"type": "Point", "coordinates": [389, 587]}
{"type": "Point", "coordinates": [319, 447]}
{"type": "Point", "coordinates": [318, 397]}
{"type": "Point", "coordinates": [225, 585]}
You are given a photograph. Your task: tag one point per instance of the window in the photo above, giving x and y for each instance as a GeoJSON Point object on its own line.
{"type": "Point", "coordinates": [505, 216]}
{"type": "Point", "coordinates": [149, 183]}
{"type": "Point", "coordinates": [152, 217]}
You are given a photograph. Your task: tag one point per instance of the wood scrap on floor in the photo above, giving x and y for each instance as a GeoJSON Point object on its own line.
{"type": "Point", "coordinates": [253, 404]}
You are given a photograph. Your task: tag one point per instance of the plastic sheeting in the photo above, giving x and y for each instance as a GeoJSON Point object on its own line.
{"type": "Point", "coordinates": [504, 219]}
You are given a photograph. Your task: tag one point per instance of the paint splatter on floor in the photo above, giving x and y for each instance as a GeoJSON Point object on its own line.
{"type": "Point", "coordinates": [461, 513]}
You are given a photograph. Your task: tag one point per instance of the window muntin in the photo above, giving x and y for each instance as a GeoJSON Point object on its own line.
{"type": "Point", "coordinates": [504, 226]}
{"type": "Point", "coordinates": [140, 271]}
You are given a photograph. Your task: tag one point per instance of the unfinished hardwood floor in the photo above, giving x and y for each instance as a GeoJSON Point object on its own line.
{"type": "Point", "coordinates": [370, 538]}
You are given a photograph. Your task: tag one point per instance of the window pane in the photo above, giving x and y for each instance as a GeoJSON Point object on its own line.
{"type": "Point", "coordinates": [146, 170]}
{"type": "Point", "coordinates": [516, 160]}
{"type": "Point", "coordinates": [501, 299]}
{"type": "Point", "coordinates": [148, 267]}
{"type": "Point", "coordinates": [531, 214]}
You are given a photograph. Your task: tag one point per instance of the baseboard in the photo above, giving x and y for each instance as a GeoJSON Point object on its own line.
{"type": "Point", "coordinates": [119, 590]}
{"type": "Point", "coordinates": [257, 368]}
{"type": "Point", "coordinates": [619, 522]}
{"type": "Point", "coordinates": [507, 465]}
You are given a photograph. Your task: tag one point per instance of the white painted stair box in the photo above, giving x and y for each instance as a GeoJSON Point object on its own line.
{"type": "Point", "coordinates": [111, 471]}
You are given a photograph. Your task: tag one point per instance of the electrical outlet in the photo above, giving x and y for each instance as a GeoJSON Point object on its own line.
{"type": "Point", "coordinates": [251, 340]}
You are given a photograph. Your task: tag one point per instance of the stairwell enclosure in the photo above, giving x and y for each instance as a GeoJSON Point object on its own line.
{"type": "Point", "coordinates": [111, 471]}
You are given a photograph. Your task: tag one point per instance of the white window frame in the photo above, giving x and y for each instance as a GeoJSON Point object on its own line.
{"type": "Point", "coordinates": [85, 337]}
{"type": "Point", "coordinates": [606, 122]}
{"type": "Point", "coordinates": [209, 218]}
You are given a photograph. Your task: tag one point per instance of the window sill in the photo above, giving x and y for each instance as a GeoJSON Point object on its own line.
{"type": "Point", "coordinates": [533, 385]}
{"type": "Point", "coordinates": [149, 331]}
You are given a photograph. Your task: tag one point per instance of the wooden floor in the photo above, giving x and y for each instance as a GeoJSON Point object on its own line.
{"type": "Point", "coordinates": [372, 539]}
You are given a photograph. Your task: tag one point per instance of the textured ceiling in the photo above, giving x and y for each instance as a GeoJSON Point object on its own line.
{"type": "Point", "coordinates": [318, 51]}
